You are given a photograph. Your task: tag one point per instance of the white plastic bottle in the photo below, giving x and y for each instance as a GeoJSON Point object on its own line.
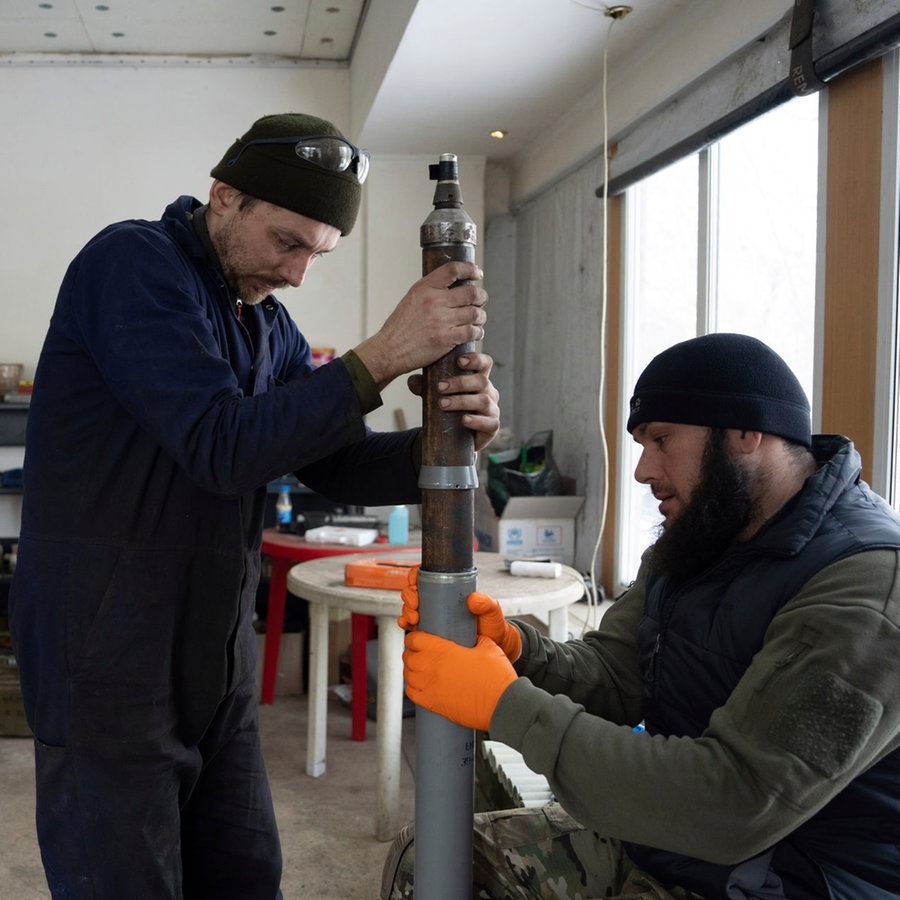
{"type": "Point", "coordinates": [398, 525]}
{"type": "Point", "coordinates": [284, 508]}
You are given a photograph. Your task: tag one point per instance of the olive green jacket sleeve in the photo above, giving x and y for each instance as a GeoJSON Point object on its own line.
{"type": "Point", "coordinates": [817, 706]}
{"type": "Point", "coordinates": [601, 671]}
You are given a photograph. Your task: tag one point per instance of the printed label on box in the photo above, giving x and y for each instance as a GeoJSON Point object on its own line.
{"type": "Point", "coordinates": [514, 538]}
{"type": "Point", "coordinates": [549, 536]}
{"type": "Point", "coordinates": [529, 526]}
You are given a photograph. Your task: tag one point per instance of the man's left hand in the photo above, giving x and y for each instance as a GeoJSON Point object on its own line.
{"type": "Point", "coordinates": [491, 621]}
{"type": "Point", "coordinates": [472, 393]}
{"type": "Point", "coordinates": [463, 684]}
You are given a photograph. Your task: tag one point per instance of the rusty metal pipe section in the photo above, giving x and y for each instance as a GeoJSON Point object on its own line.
{"type": "Point", "coordinates": [448, 455]}
{"type": "Point", "coordinates": [445, 752]}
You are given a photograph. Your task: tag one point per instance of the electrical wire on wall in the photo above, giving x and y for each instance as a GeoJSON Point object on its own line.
{"type": "Point", "coordinates": [615, 13]}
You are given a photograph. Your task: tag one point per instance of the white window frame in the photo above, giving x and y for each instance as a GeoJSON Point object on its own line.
{"type": "Point", "coordinates": [885, 465]}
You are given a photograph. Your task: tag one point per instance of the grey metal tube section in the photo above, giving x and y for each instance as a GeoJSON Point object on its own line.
{"type": "Point", "coordinates": [445, 752]}
{"type": "Point", "coordinates": [445, 756]}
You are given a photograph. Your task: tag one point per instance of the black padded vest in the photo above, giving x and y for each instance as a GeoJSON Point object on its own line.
{"type": "Point", "coordinates": [697, 638]}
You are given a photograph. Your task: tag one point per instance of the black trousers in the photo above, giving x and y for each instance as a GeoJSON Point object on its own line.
{"type": "Point", "coordinates": [126, 810]}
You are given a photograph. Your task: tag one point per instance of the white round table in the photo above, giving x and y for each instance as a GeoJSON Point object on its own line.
{"type": "Point", "coordinates": [321, 583]}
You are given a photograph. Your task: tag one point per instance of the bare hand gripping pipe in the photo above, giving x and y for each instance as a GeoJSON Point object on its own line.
{"type": "Point", "coordinates": [445, 752]}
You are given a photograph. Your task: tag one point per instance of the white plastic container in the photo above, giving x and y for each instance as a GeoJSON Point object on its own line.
{"type": "Point", "coordinates": [334, 534]}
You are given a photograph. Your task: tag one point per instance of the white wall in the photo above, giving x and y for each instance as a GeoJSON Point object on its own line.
{"type": "Point", "coordinates": [88, 145]}
{"type": "Point", "coordinates": [91, 144]}
{"type": "Point", "coordinates": [701, 37]}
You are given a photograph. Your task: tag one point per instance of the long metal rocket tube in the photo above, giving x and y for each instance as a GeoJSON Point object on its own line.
{"type": "Point", "coordinates": [445, 752]}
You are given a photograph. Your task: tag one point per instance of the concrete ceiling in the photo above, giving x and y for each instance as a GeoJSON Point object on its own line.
{"type": "Point", "coordinates": [459, 68]}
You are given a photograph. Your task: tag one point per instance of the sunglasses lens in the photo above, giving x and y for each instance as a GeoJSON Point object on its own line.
{"type": "Point", "coordinates": [334, 154]}
{"type": "Point", "coordinates": [362, 166]}
{"type": "Point", "coordinates": [330, 154]}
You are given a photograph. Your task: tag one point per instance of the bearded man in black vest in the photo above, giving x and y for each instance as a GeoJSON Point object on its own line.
{"type": "Point", "coordinates": [732, 728]}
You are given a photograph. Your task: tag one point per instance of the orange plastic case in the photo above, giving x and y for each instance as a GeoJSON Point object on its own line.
{"type": "Point", "coordinates": [392, 574]}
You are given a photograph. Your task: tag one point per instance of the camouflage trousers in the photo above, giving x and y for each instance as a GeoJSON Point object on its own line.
{"type": "Point", "coordinates": [535, 854]}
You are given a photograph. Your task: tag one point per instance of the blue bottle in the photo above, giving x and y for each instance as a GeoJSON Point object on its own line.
{"type": "Point", "coordinates": [398, 525]}
{"type": "Point", "coordinates": [284, 509]}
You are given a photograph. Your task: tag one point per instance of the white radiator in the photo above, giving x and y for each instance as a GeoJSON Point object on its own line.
{"type": "Point", "coordinates": [527, 788]}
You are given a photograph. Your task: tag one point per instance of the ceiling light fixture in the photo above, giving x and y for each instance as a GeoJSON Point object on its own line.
{"type": "Point", "coordinates": [499, 134]}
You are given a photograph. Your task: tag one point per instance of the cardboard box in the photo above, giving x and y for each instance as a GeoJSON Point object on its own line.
{"type": "Point", "coordinates": [289, 675]}
{"type": "Point", "coordinates": [530, 526]}
{"type": "Point", "coordinates": [293, 652]}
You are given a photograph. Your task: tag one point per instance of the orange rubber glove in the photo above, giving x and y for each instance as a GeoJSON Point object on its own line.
{"type": "Point", "coordinates": [409, 617]}
{"type": "Point", "coordinates": [462, 684]}
{"type": "Point", "coordinates": [493, 624]}
{"type": "Point", "coordinates": [491, 621]}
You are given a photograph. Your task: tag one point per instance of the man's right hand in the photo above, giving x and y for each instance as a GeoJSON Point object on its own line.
{"type": "Point", "coordinates": [431, 319]}
{"type": "Point", "coordinates": [463, 684]}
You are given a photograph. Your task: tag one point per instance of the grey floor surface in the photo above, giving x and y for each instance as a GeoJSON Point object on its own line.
{"type": "Point", "coordinates": [326, 824]}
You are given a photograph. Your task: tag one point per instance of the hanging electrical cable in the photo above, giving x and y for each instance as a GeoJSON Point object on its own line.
{"type": "Point", "coordinates": [615, 13]}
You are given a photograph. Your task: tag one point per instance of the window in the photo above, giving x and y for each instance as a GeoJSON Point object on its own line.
{"type": "Point", "coordinates": [720, 241]}
{"type": "Point", "coordinates": [767, 232]}
{"type": "Point", "coordinates": [661, 296]}
{"type": "Point", "coordinates": [887, 434]}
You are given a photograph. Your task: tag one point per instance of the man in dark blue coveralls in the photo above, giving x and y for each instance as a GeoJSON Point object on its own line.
{"type": "Point", "coordinates": [171, 388]}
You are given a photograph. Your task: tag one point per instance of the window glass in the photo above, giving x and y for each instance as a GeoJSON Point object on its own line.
{"type": "Point", "coordinates": [662, 296]}
{"type": "Point", "coordinates": [768, 172]}
{"type": "Point", "coordinates": [893, 465]}
{"type": "Point", "coordinates": [759, 262]}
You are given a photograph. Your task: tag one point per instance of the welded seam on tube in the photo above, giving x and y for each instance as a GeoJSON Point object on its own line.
{"type": "Point", "coordinates": [448, 478]}
{"type": "Point", "coordinates": [447, 232]}
{"type": "Point", "coordinates": [445, 579]}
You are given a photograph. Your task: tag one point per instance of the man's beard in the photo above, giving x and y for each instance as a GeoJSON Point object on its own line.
{"type": "Point", "coordinates": [719, 509]}
{"type": "Point", "coordinates": [239, 276]}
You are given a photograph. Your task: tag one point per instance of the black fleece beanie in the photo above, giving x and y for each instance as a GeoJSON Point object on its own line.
{"type": "Point", "coordinates": [723, 381]}
{"type": "Point", "coordinates": [274, 172]}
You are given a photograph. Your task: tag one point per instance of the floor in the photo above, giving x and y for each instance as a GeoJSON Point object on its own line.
{"type": "Point", "coordinates": [326, 824]}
